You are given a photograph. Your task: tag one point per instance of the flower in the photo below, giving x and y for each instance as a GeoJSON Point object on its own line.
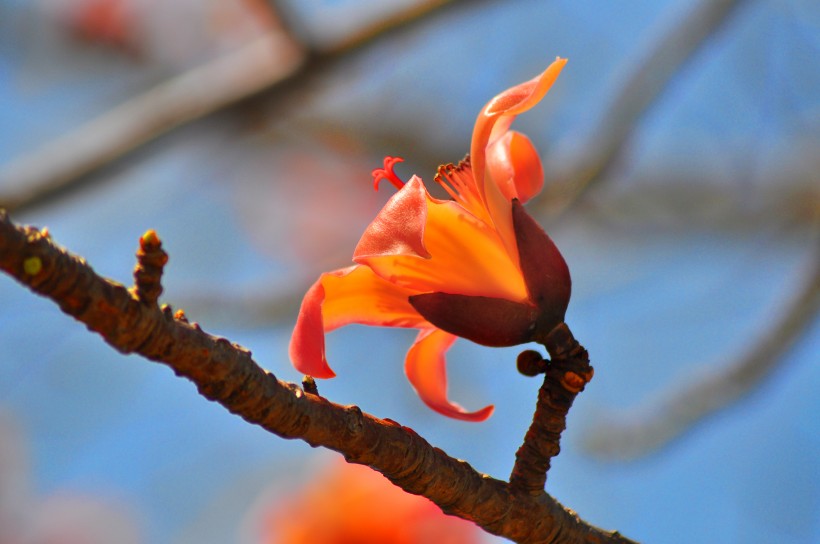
{"type": "Point", "coordinates": [477, 266]}
{"type": "Point", "coordinates": [353, 504]}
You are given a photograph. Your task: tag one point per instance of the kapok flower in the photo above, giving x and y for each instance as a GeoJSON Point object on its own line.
{"type": "Point", "coordinates": [353, 504]}
{"type": "Point", "coordinates": [477, 266]}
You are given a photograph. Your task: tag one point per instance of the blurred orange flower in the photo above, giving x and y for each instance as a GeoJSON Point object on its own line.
{"type": "Point", "coordinates": [353, 504]}
{"type": "Point", "coordinates": [477, 266]}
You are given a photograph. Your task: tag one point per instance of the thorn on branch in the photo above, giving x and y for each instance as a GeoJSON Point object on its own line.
{"type": "Point", "coordinates": [309, 385]}
{"type": "Point", "coordinates": [151, 260]}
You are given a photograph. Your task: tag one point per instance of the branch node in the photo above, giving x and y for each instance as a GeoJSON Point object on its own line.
{"type": "Point", "coordinates": [564, 377]}
{"type": "Point", "coordinates": [32, 265]}
{"type": "Point", "coordinates": [151, 260]}
{"type": "Point", "coordinates": [531, 363]}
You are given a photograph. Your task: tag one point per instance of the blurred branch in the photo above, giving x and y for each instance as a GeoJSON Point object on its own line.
{"type": "Point", "coordinates": [585, 159]}
{"type": "Point", "coordinates": [257, 67]}
{"type": "Point", "coordinates": [190, 96]}
{"type": "Point", "coordinates": [131, 322]}
{"type": "Point", "coordinates": [679, 410]}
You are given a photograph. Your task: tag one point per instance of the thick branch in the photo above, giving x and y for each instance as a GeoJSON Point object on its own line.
{"type": "Point", "coordinates": [226, 373]}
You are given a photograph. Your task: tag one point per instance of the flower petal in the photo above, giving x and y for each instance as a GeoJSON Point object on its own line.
{"type": "Point", "coordinates": [338, 298]}
{"type": "Point", "coordinates": [499, 113]}
{"type": "Point", "coordinates": [425, 367]}
{"type": "Point", "coordinates": [487, 321]}
{"type": "Point", "coordinates": [468, 257]}
{"type": "Point", "coordinates": [307, 343]}
{"type": "Point", "coordinates": [544, 268]}
{"type": "Point", "coordinates": [515, 166]}
{"type": "Point", "coordinates": [398, 229]}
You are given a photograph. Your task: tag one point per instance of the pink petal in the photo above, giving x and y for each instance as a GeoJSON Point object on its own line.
{"type": "Point", "coordinates": [398, 229]}
{"type": "Point", "coordinates": [425, 367]}
{"type": "Point", "coordinates": [515, 167]}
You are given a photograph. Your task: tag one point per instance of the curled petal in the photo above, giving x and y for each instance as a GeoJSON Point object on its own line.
{"type": "Point", "coordinates": [544, 268]}
{"type": "Point", "coordinates": [398, 229]}
{"type": "Point", "coordinates": [496, 117]}
{"type": "Point", "coordinates": [338, 298]}
{"type": "Point", "coordinates": [307, 343]}
{"type": "Point", "coordinates": [515, 166]}
{"type": "Point", "coordinates": [487, 321]}
{"type": "Point", "coordinates": [425, 367]}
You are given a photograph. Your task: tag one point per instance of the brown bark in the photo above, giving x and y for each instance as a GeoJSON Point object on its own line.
{"type": "Point", "coordinates": [225, 373]}
{"type": "Point", "coordinates": [565, 375]}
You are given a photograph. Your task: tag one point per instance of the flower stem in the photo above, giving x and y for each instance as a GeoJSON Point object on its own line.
{"type": "Point", "coordinates": [566, 375]}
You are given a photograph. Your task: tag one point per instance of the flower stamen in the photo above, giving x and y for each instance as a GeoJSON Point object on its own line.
{"type": "Point", "coordinates": [457, 179]}
{"type": "Point", "coordinates": [387, 173]}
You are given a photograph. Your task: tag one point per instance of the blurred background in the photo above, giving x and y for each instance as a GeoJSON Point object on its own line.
{"type": "Point", "coordinates": [681, 148]}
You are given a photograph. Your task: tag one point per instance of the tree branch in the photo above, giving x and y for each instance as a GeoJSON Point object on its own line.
{"type": "Point", "coordinates": [660, 422]}
{"type": "Point", "coordinates": [225, 373]}
{"type": "Point", "coordinates": [566, 375]}
{"type": "Point", "coordinates": [256, 67]}
{"type": "Point", "coordinates": [178, 101]}
{"type": "Point", "coordinates": [586, 159]}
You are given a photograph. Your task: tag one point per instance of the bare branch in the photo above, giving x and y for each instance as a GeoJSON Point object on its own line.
{"type": "Point", "coordinates": [226, 373]}
{"type": "Point", "coordinates": [591, 154]}
{"type": "Point", "coordinates": [190, 96]}
{"type": "Point", "coordinates": [658, 423]}
{"type": "Point", "coordinates": [256, 67]}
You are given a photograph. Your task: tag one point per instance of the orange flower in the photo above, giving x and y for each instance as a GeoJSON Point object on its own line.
{"type": "Point", "coordinates": [353, 504]}
{"type": "Point", "coordinates": [477, 266]}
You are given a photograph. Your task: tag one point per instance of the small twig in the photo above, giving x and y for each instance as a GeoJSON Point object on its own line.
{"type": "Point", "coordinates": [226, 373]}
{"type": "Point", "coordinates": [151, 259]}
{"type": "Point", "coordinates": [309, 385]}
{"type": "Point", "coordinates": [587, 158]}
{"type": "Point", "coordinates": [566, 374]}
{"type": "Point", "coordinates": [675, 412]}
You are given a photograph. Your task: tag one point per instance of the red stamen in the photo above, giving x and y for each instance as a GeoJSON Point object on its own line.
{"type": "Point", "coordinates": [387, 173]}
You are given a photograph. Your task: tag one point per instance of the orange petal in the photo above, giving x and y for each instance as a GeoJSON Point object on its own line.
{"type": "Point", "coordinates": [499, 112]}
{"type": "Point", "coordinates": [307, 343]}
{"type": "Point", "coordinates": [515, 167]}
{"type": "Point", "coordinates": [425, 367]}
{"type": "Point", "coordinates": [338, 298]}
{"type": "Point", "coordinates": [398, 229]}
{"type": "Point", "coordinates": [468, 258]}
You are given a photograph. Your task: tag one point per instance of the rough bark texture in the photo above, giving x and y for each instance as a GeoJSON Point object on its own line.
{"type": "Point", "coordinates": [225, 373]}
{"type": "Point", "coordinates": [564, 377]}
